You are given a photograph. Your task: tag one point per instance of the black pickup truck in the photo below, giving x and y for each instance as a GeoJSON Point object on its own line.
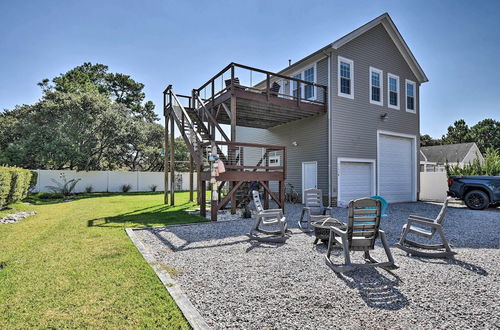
{"type": "Point", "coordinates": [478, 192]}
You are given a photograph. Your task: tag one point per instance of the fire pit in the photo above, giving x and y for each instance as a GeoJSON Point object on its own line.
{"type": "Point", "coordinates": [322, 228]}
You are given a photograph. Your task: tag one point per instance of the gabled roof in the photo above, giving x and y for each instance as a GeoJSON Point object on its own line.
{"type": "Point", "coordinates": [393, 32]}
{"type": "Point", "coordinates": [451, 153]}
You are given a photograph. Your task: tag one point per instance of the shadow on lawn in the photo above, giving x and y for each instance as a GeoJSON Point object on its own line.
{"type": "Point", "coordinates": [149, 216]}
{"type": "Point", "coordinates": [376, 290]}
{"type": "Point", "coordinates": [35, 199]}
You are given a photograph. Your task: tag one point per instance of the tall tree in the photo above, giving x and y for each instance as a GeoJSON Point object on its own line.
{"type": "Point", "coordinates": [426, 140]}
{"type": "Point", "coordinates": [459, 132]}
{"type": "Point", "coordinates": [486, 134]}
{"type": "Point", "coordinates": [87, 119]}
{"type": "Point", "coordinates": [120, 87]}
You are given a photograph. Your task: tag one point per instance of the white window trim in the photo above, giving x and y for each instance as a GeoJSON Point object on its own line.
{"type": "Point", "coordinates": [302, 86]}
{"type": "Point", "coordinates": [381, 74]}
{"type": "Point", "coordinates": [410, 82]}
{"type": "Point", "coordinates": [389, 76]}
{"type": "Point", "coordinates": [341, 160]}
{"type": "Point", "coordinates": [351, 63]}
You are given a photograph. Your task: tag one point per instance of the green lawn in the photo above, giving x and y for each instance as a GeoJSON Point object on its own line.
{"type": "Point", "coordinates": [73, 265]}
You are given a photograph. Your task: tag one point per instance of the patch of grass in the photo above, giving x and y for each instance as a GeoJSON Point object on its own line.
{"type": "Point", "coordinates": [73, 266]}
{"type": "Point", "coordinates": [16, 207]}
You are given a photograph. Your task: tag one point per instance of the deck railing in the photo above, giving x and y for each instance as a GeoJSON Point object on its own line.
{"type": "Point", "coordinates": [250, 157]}
{"type": "Point", "coordinates": [242, 77]}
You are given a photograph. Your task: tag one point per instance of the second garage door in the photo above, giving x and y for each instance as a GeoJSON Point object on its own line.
{"type": "Point", "coordinates": [356, 180]}
{"type": "Point", "coordinates": [396, 168]}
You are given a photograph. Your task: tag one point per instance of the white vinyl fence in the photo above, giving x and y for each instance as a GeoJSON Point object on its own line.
{"type": "Point", "coordinates": [111, 181]}
{"type": "Point", "coordinates": [433, 186]}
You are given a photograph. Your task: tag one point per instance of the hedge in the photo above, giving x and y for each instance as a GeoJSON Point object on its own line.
{"type": "Point", "coordinates": [14, 184]}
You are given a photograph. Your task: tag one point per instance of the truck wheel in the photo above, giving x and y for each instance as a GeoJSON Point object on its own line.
{"type": "Point", "coordinates": [476, 200]}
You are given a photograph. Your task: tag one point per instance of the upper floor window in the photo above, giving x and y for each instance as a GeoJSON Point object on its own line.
{"type": "Point", "coordinates": [306, 91]}
{"type": "Point", "coordinates": [345, 74]}
{"type": "Point", "coordinates": [393, 91]}
{"type": "Point", "coordinates": [411, 88]}
{"type": "Point", "coordinates": [295, 85]}
{"type": "Point", "coordinates": [309, 89]}
{"type": "Point", "coordinates": [376, 86]}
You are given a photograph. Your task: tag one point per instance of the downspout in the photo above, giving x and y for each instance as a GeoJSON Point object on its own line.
{"type": "Point", "coordinates": [329, 95]}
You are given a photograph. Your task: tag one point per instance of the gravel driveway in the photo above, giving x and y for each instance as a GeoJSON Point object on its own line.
{"type": "Point", "coordinates": [238, 283]}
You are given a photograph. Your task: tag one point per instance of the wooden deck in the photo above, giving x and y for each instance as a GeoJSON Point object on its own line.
{"type": "Point", "coordinates": [229, 98]}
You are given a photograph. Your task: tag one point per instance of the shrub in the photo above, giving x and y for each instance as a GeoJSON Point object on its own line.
{"type": "Point", "coordinates": [5, 178]}
{"type": "Point", "coordinates": [89, 189]}
{"type": "Point", "coordinates": [490, 166]}
{"type": "Point", "coordinates": [34, 180]}
{"type": "Point", "coordinates": [153, 187]}
{"type": "Point", "coordinates": [65, 187]}
{"type": "Point", "coordinates": [14, 184]}
{"type": "Point", "coordinates": [49, 195]}
{"type": "Point", "coordinates": [126, 187]}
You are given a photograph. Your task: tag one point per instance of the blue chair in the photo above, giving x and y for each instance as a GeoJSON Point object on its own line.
{"type": "Point", "coordinates": [384, 204]}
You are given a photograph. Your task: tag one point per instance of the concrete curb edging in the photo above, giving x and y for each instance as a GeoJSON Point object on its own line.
{"type": "Point", "coordinates": [187, 308]}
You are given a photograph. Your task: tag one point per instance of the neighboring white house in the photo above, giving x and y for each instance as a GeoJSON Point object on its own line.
{"type": "Point", "coordinates": [434, 158]}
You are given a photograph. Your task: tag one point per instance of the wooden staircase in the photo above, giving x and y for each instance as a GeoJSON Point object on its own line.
{"type": "Point", "coordinates": [198, 127]}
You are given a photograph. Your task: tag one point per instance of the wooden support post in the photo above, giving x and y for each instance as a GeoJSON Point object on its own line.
{"type": "Point", "coordinates": [191, 169]}
{"type": "Point", "coordinates": [233, 139]}
{"type": "Point", "coordinates": [172, 163]}
{"type": "Point", "coordinates": [203, 198]}
{"type": "Point", "coordinates": [214, 199]}
{"type": "Point", "coordinates": [166, 154]}
{"type": "Point", "coordinates": [282, 194]}
{"type": "Point", "coordinates": [266, 197]}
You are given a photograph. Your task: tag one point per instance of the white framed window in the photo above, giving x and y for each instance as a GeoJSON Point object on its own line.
{"type": "Point", "coordinates": [376, 86]}
{"type": "Point", "coordinates": [345, 77]}
{"type": "Point", "coordinates": [295, 85]}
{"type": "Point", "coordinates": [309, 75]}
{"type": "Point", "coordinates": [306, 91]}
{"type": "Point", "coordinates": [392, 91]}
{"type": "Point", "coordinates": [411, 99]}
{"type": "Point", "coordinates": [274, 157]}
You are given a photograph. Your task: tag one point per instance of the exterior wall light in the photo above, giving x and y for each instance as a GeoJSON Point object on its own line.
{"type": "Point", "coordinates": [384, 116]}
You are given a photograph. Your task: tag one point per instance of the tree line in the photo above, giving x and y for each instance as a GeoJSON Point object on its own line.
{"type": "Point", "coordinates": [486, 134]}
{"type": "Point", "coordinates": [87, 119]}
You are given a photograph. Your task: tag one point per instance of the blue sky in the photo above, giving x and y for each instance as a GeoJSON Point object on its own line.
{"type": "Point", "coordinates": [186, 42]}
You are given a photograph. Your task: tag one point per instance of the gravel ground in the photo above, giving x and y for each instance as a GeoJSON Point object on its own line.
{"type": "Point", "coordinates": [238, 283]}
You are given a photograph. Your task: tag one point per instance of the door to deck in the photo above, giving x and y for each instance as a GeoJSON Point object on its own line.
{"type": "Point", "coordinates": [309, 176]}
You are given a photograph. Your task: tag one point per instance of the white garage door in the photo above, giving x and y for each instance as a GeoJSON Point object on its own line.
{"type": "Point", "coordinates": [356, 180]}
{"type": "Point", "coordinates": [397, 166]}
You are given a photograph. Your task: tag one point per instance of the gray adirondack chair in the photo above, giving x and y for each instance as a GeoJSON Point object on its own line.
{"type": "Point", "coordinates": [268, 218]}
{"type": "Point", "coordinates": [427, 228]}
{"type": "Point", "coordinates": [359, 234]}
{"type": "Point", "coordinates": [314, 208]}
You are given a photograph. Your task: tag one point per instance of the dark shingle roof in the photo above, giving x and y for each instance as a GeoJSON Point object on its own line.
{"type": "Point", "coordinates": [449, 152]}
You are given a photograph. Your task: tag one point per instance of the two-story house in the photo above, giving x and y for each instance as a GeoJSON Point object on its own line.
{"type": "Point", "coordinates": [367, 142]}
{"type": "Point", "coordinates": [344, 119]}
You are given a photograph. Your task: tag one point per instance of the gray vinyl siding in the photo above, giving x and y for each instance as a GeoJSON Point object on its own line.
{"type": "Point", "coordinates": [355, 121]}
{"type": "Point", "coordinates": [322, 76]}
{"type": "Point", "coordinates": [473, 153]}
{"type": "Point", "coordinates": [311, 135]}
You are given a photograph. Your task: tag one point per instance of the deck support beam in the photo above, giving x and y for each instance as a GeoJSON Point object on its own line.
{"type": "Point", "coordinates": [165, 160]}
{"type": "Point", "coordinates": [191, 169]}
{"type": "Point", "coordinates": [232, 154]}
{"type": "Point", "coordinates": [172, 163]}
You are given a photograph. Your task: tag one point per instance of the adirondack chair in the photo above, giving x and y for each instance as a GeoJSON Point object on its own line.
{"type": "Point", "coordinates": [415, 225]}
{"type": "Point", "coordinates": [313, 200]}
{"type": "Point", "coordinates": [359, 234]}
{"type": "Point", "coordinates": [268, 218]}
